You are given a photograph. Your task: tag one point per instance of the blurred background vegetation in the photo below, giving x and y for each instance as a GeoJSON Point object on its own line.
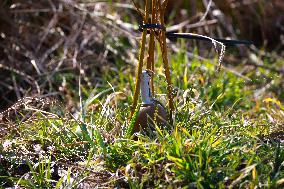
{"type": "Point", "coordinates": [43, 42]}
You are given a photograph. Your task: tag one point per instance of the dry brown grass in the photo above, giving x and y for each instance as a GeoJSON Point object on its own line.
{"type": "Point", "coordinates": [259, 20]}
{"type": "Point", "coordinates": [42, 40]}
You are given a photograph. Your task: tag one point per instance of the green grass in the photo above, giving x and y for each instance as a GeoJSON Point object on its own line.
{"type": "Point", "coordinates": [220, 137]}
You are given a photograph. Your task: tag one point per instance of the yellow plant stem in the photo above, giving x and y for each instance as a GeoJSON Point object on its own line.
{"type": "Point", "coordinates": [140, 63]}
{"type": "Point", "coordinates": [151, 50]}
{"type": "Point", "coordinates": [167, 73]}
{"type": "Point", "coordinates": [158, 9]}
{"type": "Point", "coordinates": [163, 45]}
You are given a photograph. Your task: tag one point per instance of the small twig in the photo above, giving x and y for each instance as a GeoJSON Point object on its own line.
{"type": "Point", "coordinates": [29, 10]}
{"type": "Point", "coordinates": [50, 25]}
{"type": "Point", "coordinates": [138, 9]}
{"type": "Point", "coordinates": [201, 24]}
{"type": "Point", "coordinates": [178, 26]}
{"type": "Point", "coordinates": [207, 10]}
{"type": "Point", "coordinates": [51, 50]}
{"type": "Point", "coordinates": [16, 88]}
{"type": "Point", "coordinates": [41, 111]}
{"type": "Point", "coordinates": [30, 80]}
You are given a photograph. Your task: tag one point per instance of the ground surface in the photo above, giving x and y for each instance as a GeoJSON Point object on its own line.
{"type": "Point", "coordinates": [76, 80]}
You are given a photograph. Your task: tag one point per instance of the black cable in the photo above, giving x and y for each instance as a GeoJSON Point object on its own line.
{"type": "Point", "coordinates": [151, 26]}
{"type": "Point", "coordinates": [228, 42]}
{"type": "Point", "coordinates": [171, 35]}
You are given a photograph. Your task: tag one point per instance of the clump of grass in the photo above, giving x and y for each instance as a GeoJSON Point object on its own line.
{"type": "Point", "coordinates": [227, 130]}
{"type": "Point", "coordinates": [220, 138]}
